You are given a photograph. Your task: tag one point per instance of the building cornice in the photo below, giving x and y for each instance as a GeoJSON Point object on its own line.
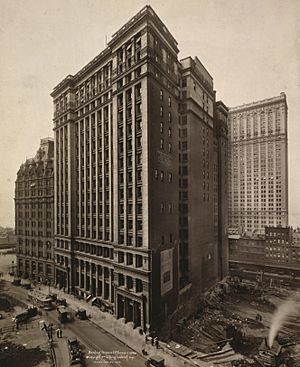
{"type": "Point", "coordinates": [258, 104]}
{"type": "Point", "coordinates": [146, 12]}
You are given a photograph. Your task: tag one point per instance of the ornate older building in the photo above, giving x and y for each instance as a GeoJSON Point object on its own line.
{"type": "Point", "coordinates": [116, 176]}
{"type": "Point", "coordinates": [34, 200]}
{"type": "Point", "coordinates": [258, 165]}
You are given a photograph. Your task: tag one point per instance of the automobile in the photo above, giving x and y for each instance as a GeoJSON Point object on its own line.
{"type": "Point", "coordinates": [63, 314]}
{"type": "Point", "coordinates": [76, 361]}
{"type": "Point", "coordinates": [61, 302]}
{"type": "Point", "coordinates": [75, 352]}
{"type": "Point", "coordinates": [81, 314]}
{"type": "Point", "coordinates": [155, 361]}
{"type": "Point", "coordinates": [73, 345]}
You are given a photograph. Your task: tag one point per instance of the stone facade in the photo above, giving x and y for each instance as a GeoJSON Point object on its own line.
{"type": "Point", "coordinates": [34, 215]}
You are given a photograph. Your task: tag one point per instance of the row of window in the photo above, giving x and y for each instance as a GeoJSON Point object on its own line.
{"type": "Point", "coordinates": [34, 233]}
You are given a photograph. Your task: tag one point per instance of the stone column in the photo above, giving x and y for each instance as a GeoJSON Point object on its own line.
{"type": "Point", "coordinates": [85, 275]}
{"type": "Point", "coordinates": [91, 278]}
{"type": "Point", "coordinates": [97, 280]}
{"type": "Point", "coordinates": [126, 306]}
{"type": "Point", "coordinates": [80, 269]}
{"type": "Point", "coordinates": [103, 282]}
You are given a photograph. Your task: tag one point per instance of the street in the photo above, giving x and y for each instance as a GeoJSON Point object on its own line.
{"type": "Point", "coordinates": [94, 342]}
{"type": "Point", "coordinates": [99, 347]}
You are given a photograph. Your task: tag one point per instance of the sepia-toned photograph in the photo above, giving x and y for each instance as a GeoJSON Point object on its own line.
{"type": "Point", "coordinates": [150, 187]}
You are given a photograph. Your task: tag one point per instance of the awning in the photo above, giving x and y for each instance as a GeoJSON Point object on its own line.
{"type": "Point", "coordinates": [88, 298]}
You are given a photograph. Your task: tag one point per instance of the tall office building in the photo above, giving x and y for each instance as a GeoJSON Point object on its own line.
{"type": "Point", "coordinates": [221, 142]}
{"type": "Point", "coordinates": [34, 209]}
{"type": "Point", "coordinates": [202, 173]}
{"type": "Point", "coordinates": [116, 154]}
{"type": "Point", "coordinates": [258, 166]}
{"type": "Point", "coordinates": [116, 176]}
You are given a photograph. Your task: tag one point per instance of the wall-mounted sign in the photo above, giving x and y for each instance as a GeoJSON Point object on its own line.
{"type": "Point", "coordinates": [166, 271]}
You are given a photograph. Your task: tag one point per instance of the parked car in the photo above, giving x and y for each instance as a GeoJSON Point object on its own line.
{"type": "Point", "coordinates": [75, 352]}
{"type": "Point", "coordinates": [155, 361]}
{"type": "Point", "coordinates": [61, 302]}
{"type": "Point", "coordinates": [81, 314]}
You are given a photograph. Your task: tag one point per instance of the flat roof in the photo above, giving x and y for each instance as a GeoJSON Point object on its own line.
{"type": "Point", "coordinates": [256, 104]}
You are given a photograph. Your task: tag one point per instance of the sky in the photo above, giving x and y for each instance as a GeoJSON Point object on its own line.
{"type": "Point", "coordinates": [250, 47]}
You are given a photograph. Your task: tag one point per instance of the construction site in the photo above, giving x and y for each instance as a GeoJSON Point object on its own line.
{"type": "Point", "coordinates": [238, 323]}
{"type": "Point", "coordinates": [19, 342]}
{"type": "Point", "coordinates": [241, 323]}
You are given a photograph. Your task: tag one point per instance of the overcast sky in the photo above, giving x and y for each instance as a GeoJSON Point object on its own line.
{"type": "Point", "coordinates": [250, 47]}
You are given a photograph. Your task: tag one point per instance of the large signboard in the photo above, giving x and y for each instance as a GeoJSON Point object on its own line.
{"type": "Point", "coordinates": [166, 271]}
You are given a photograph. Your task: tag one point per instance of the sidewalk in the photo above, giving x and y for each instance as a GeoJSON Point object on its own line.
{"type": "Point", "coordinates": [124, 332]}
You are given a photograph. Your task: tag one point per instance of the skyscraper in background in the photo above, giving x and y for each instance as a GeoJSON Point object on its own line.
{"type": "Point", "coordinates": [258, 165]}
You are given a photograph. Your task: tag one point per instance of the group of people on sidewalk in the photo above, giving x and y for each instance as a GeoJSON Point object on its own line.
{"type": "Point", "coordinates": [153, 340]}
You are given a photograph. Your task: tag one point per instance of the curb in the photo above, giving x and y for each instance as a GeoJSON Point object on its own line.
{"type": "Point", "coordinates": [165, 349]}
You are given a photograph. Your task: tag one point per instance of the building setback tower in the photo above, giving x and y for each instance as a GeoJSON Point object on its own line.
{"type": "Point", "coordinates": [34, 209]}
{"type": "Point", "coordinates": [258, 167]}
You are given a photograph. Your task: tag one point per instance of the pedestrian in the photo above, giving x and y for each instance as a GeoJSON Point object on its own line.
{"type": "Point", "coordinates": [146, 338]}
{"type": "Point", "coordinates": [152, 340]}
{"type": "Point", "coordinates": [156, 343]}
{"type": "Point", "coordinates": [60, 333]}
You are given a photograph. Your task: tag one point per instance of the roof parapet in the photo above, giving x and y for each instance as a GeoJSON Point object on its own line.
{"type": "Point", "coordinates": [281, 97]}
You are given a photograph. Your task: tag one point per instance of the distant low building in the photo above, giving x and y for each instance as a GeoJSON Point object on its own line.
{"type": "Point", "coordinates": [278, 244]}
{"type": "Point", "coordinates": [295, 247]}
{"type": "Point", "coordinates": [6, 231]}
{"type": "Point", "coordinates": [8, 241]}
{"type": "Point", "coordinates": [275, 255]}
{"type": "Point", "coordinates": [246, 248]}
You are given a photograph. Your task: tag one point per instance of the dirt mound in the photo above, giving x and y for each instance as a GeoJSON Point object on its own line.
{"type": "Point", "coordinates": [6, 304]}
{"type": "Point", "coordinates": [11, 355]}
